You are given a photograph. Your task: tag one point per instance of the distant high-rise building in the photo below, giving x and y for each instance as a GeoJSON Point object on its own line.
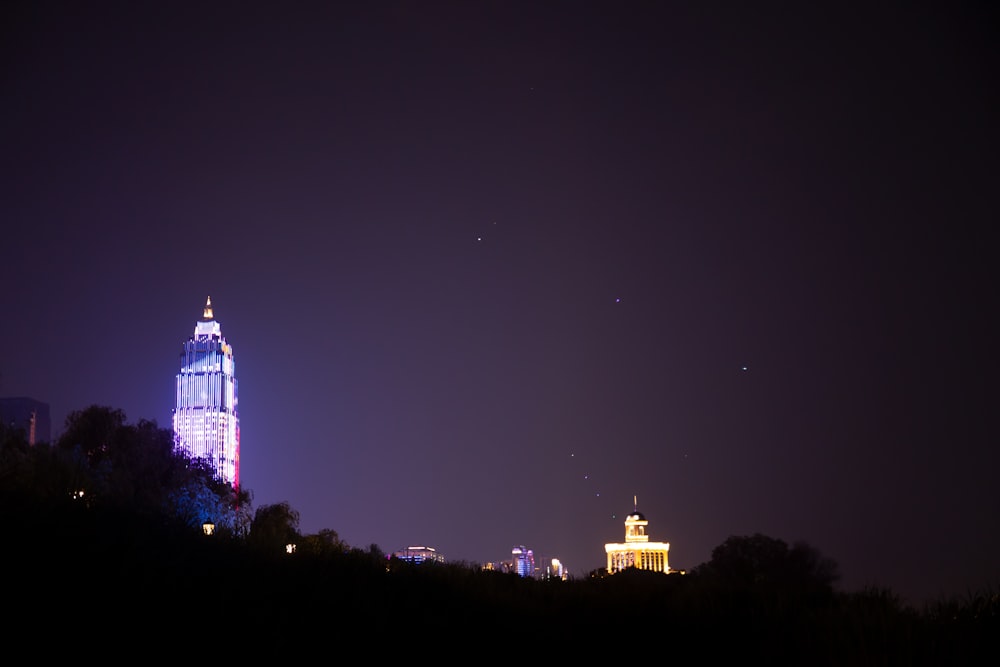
{"type": "Point", "coordinates": [523, 561]}
{"type": "Point", "coordinates": [28, 414]}
{"type": "Point", "coordinates": [419, 555]}
{"type": "Point", "coordinates": [637, 551]}
{"type": "Point", "coordinates": [555, 570]}
{"type": "Point", "coordinates": [206, 413]}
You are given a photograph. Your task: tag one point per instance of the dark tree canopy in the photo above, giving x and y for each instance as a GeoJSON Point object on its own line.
{"type": "Point", "coordinates": [274, 527]}
{"type": "Point", "coordinates": [324, 543]}
{"type": "Point", "coordinates": [763, 562]}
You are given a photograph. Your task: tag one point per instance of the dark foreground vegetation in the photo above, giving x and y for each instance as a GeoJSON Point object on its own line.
{"type": "Point", "coordinates": [105, 558]}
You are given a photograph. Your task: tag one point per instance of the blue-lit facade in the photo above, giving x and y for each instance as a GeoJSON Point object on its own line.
{"type": "Point", "coordinates": [419, 555]}
{"type": "Point", "coordinates": [206, 413]}
{"type": "Point", "coordinates": [523, 561]}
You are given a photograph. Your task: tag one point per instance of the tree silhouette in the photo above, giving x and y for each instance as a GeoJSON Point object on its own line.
{"type": "Point", "coordinates": [109, 462]}
{"type": "Point", "coordinates": [274, 527]}
{"type": "Point", "coordinates": [748, 560]}
{"type": "Point", "coordinates": [324, 543]}
{"type": "Point", "coordinates": [766, 564]}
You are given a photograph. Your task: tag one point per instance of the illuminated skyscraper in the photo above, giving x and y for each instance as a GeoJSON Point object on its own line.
{"type": "Point", "coordinates": [206, 413]}
{"type": "Point", "coordinates": [523, 561]}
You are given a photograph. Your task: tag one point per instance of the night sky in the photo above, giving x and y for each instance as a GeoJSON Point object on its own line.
{"type": "Point", "coordinates": [492, 269]}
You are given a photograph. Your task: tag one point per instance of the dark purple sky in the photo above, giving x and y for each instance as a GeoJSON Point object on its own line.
{"type": "Point", "coordinates": [491, 269]}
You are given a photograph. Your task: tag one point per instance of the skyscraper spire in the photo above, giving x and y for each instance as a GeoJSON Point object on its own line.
{"type": "Point", "coordinates": [208, 309]}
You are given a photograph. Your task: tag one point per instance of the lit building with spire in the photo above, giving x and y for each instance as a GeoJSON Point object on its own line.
{"type": "Point", "coordinates": [637, 551]}
{"type": "Point", "coordinates": [206, 413]}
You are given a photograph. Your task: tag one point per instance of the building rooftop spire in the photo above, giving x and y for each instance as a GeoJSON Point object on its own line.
{"type": "Point", "coordinates": [208, 309]}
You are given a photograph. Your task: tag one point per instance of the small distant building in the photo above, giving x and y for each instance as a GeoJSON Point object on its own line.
{"type": "Point", "coordinates": [419, 555]}
{"type": "Point", "coordinates": [523, 561]}
{"type": "Point", "coordinates": [554, 569]}
{"type": "Point", "coordinates": [504, 566]}
{"type": "Point", "coordinates": [637, 551]}
{"type": "Point", "coordinates": [28, 414]}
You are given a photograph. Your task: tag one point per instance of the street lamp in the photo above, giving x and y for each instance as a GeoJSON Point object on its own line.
{"type": "Point", "coordinates": [208, 527]}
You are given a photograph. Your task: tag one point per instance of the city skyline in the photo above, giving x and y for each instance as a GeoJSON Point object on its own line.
{"type": "Point", "coordinates": [493, 269]}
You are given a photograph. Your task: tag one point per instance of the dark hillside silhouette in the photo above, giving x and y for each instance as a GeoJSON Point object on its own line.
{"type": "Point", "coordinates": [102, 561]}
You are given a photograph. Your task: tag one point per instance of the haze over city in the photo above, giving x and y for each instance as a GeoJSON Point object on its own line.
{"type": "Point", "coordinates": [491, 271]}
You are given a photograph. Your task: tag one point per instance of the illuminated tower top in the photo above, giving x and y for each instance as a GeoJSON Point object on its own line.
{"type": "Point", "coordinates": [635, 524]}
{"type": "Point", "coordinates": [207, 328]}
